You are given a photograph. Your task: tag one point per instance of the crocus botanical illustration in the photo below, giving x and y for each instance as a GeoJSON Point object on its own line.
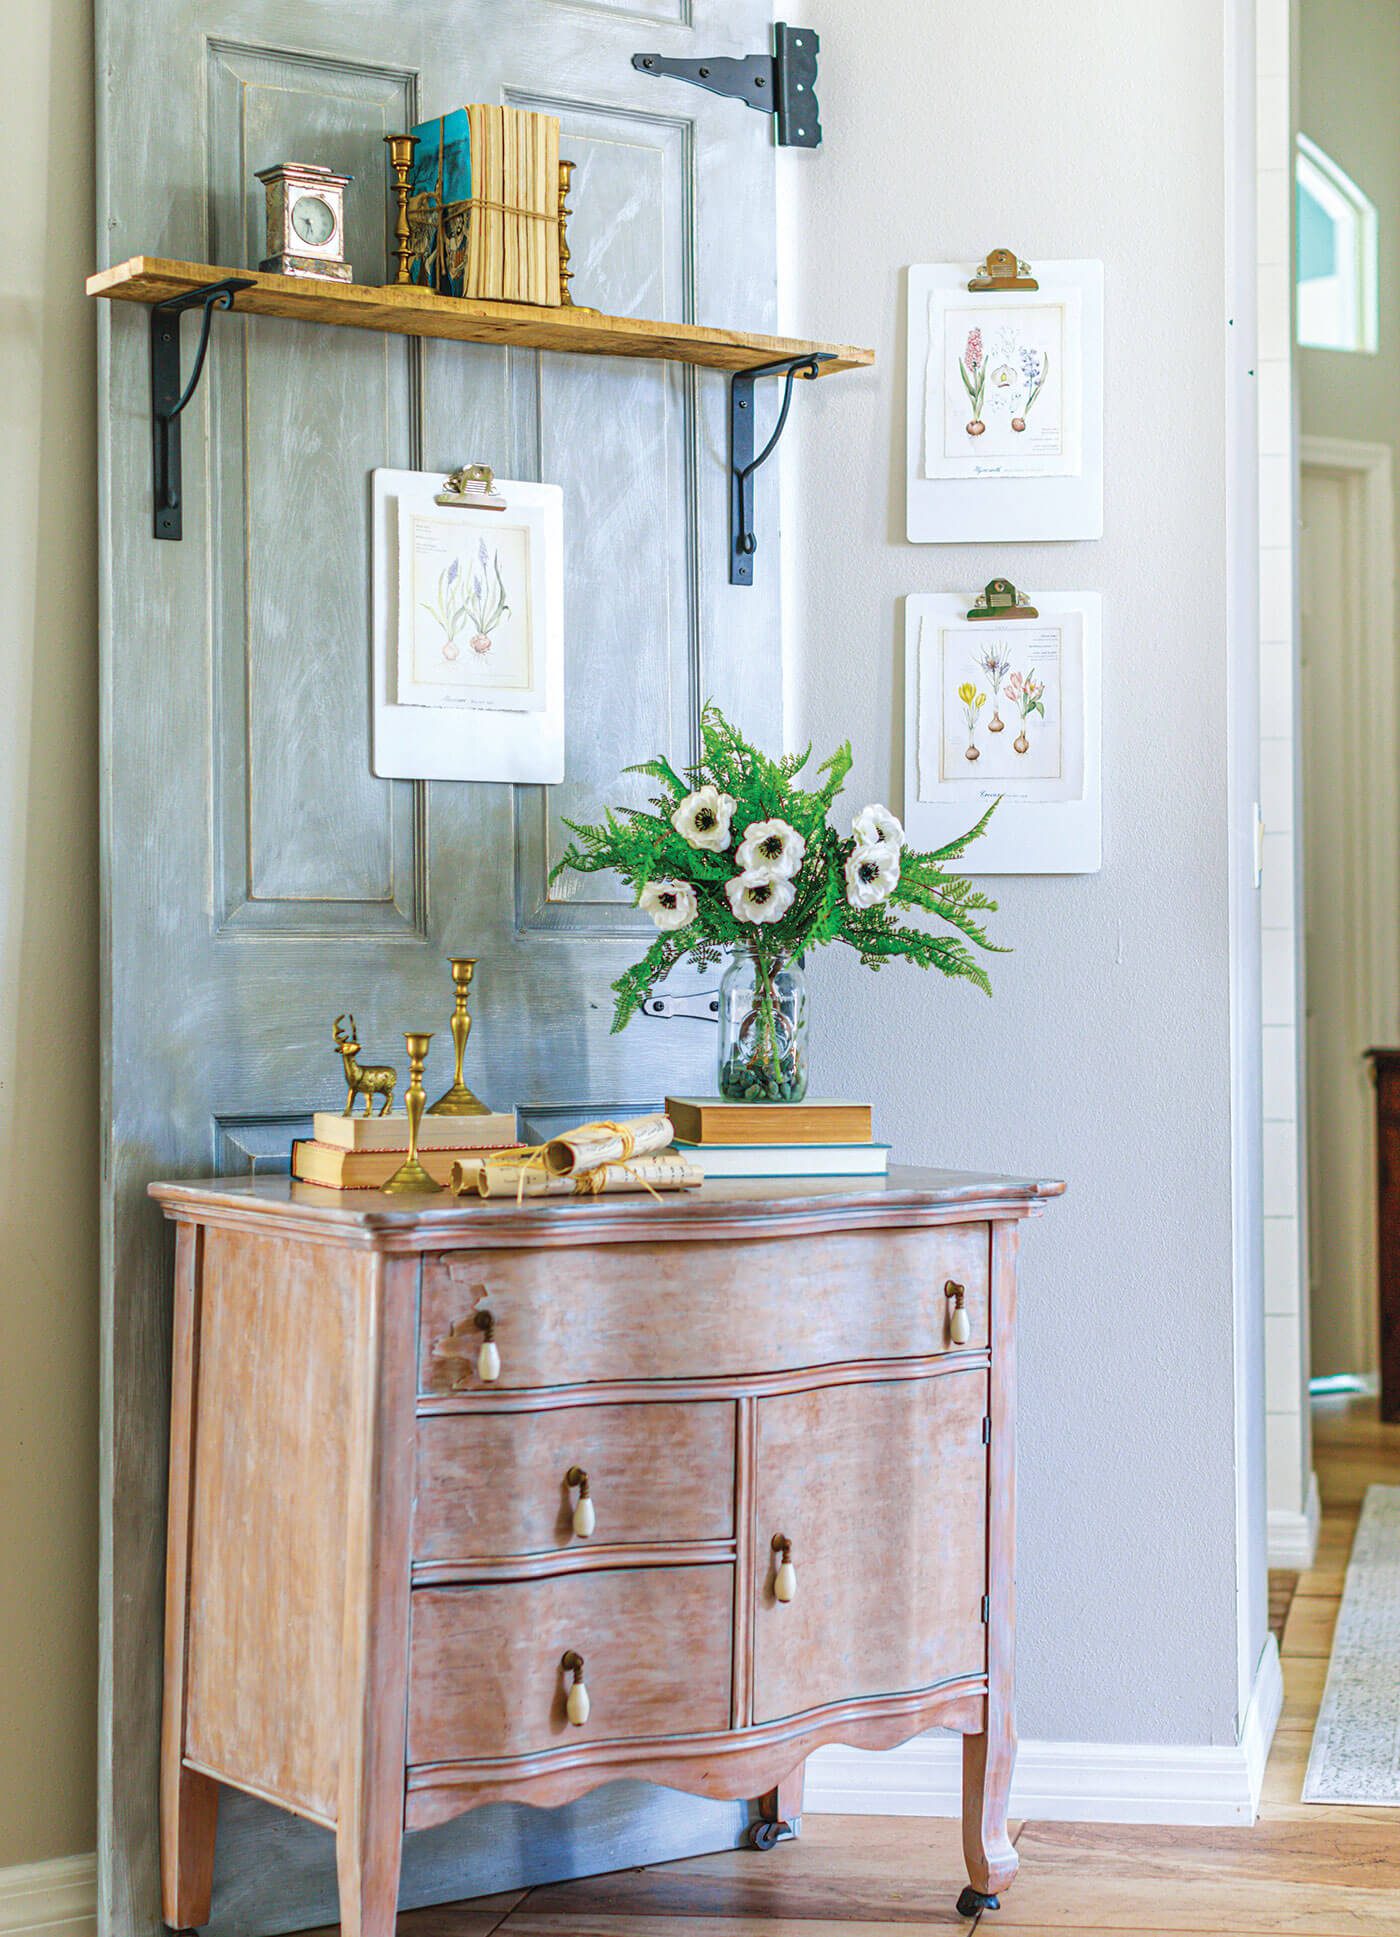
{"type": "Point", "coordinates": [972, 704]}
{"type": "Point", "coordinates": [995, 663]}
{"type": "Point", "coordinates": [972, 366]}
{"type": "Point", "coordinates": [479, 604]}
{"type": "Point", "coordinates": [1035, 366]}
{"type": "Point", "coordinates": [1027, 695]}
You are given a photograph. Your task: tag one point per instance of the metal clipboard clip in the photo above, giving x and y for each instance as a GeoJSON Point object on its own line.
{"type": "Point", "coordinates": [1003, 269]}
{"type": "Point", "coordinates": [999, 599]}
{"type": "Point", "coordinates": [472, 488]}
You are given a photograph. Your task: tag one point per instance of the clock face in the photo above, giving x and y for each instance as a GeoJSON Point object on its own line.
{"type": "Point", "coordinates": [313, 220]}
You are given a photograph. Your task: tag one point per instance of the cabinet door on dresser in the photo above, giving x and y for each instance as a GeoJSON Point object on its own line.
{"type": "Point", "coordinates": [881, 1491]}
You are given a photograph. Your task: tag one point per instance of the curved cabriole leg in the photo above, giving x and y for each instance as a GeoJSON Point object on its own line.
{"type": "Point", "coordinates": [780, 1811]}
{"type": "Point", "coordinates": [987, 1763]}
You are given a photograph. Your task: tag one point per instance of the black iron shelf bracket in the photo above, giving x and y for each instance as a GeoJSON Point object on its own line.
{"type": "Point", "coordinates": [743, 542]}
{"type": "Point", "coordinates": [783, 83]}
{"type": "Point", "coordinates": [167, 397]}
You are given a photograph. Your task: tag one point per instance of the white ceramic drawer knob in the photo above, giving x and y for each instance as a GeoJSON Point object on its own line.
{"type": "Point", "coordinates": [585, 1520]}
{"type": "Point", "coordinates": [785, 1580]}
{"type": "Point", "coordinates": [959, 1324]}
{"type": "Point", "coordinates": [576, 1703]}
{"type": "Point", "coordinates": [488, 1364]}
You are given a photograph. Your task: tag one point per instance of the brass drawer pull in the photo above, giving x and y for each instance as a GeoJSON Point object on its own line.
{"type": "Point", "coordinates": [576, 1704]}
{"type": "Point", "coordinates": [785, 1580]}
{"type": "Point", "coordinates": [488, 1364]}
{"type": "Point", "coordinates": [584, 1517]}
{"type": "Point", "coordinates": [959, 1324]}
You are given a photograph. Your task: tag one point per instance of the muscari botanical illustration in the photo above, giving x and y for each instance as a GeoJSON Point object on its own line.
{"type": "Point", "coordinates": [478, 603]}
{"type": "Point", "coordinates": [994, 661]}
{"type": "Point", "coordinates": [1027, 694]}
{"type": "Point", "coordinates": [973, 366]}
{"type": "Point", "coordinates": [1035, 367]}
{"type": "Point", "coordinates": [972, 704]}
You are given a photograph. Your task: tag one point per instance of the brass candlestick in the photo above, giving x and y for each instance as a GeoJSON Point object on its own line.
{"type": "Point", "coordinates": [401, 149]}
{"type": "Point", "coordinates": [566, 173]}
{"type": "Point", "coordinates": [410, 1175]}
{"type": "Point", "coordinates": [460, 1100]}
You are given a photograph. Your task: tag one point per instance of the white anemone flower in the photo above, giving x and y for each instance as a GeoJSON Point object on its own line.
{"type": "Point", "coordinates": [759, 895]}
{"type": "Point", "coordinates": [671, 904]}
{"type": "Point", "coordinates": [876, 826]}
{"type": "Point", "coordinates": [703, 819]}
{"type": "Point", "coordinates": [771, 847]}
{"type": "Point", "coordinates": [872, 875]}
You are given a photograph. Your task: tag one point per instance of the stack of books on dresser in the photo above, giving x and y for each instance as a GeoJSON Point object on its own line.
{"type": "Point", "coordinates": [363, 1152]}
{"type": "Point", "coordinates": [817, 1138]}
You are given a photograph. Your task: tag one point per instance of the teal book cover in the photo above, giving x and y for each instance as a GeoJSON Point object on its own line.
{"type": "Point", "coordinates": [439, 203]}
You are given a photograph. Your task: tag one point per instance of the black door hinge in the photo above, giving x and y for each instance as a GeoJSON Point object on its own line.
{"type": "Point", "coordinates": [783, 83]}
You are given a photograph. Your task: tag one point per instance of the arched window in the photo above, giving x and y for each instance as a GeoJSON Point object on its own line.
{"type": "Point", "coordinates": [1337, 249]}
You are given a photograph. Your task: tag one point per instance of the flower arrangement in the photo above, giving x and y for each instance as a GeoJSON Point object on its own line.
{"type": "Point", "coordinates": [478, 604]}
{"type": "Point", "coordinates": [1027, 695]}
{"type": "Point", "coordinates": [973, 366]}
{"type": "Point", "coordinates": [733, 854]}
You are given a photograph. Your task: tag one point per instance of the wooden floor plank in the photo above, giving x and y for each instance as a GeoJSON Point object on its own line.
{"type": "Point", "coordinates": [1311, 1621]}
{"type": "Point", "coordinates": [480, 1918]}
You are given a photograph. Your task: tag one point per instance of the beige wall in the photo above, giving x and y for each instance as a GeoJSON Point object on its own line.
{"type": "Point", "coordinates": [1105, 1055]}
{"type": "Point", "coordinates": [48, 940]}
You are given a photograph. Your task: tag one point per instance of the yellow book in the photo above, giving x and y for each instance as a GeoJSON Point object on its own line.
{"type": "Point", "coordinates": [471, 285]}
{"type": "Point", "coordinates": [714, 1119]}
{"type": "Point", "coordinates": [335, 1169]}
{"type": "Point", "coordinates": [553, 292]}
{"type": "Point", "coordinates": [434, 1132]}
{"type": "Point", "coordinates": [510, 179]}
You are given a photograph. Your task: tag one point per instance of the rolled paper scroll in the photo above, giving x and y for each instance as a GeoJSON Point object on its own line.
{"type": "Point", "coordinates": [519, 1180]}
{"type": "Point", "coordinates": [593, 1145]}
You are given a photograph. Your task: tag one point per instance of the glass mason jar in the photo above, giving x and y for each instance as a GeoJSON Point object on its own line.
{"type": "Point", "coordinates": [763, 1028]}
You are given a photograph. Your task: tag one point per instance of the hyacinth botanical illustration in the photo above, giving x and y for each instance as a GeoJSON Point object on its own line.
{"type": "Point", "coordinates": [973, 365]}
{"type": "Point", "coordinates": [732, 854]}
{"type": "Point", "coordinates": [994, 661]}
{"type": "Point", "coordinates": [475, 607]}
{"type": "Point", "coordinates": [1027, 694]}
{"type": "Point", "coordinates": [972, 704]}
{"type": "Point", "coordinates": [1035, 367]}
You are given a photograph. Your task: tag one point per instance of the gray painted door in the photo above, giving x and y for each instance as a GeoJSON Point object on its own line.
{"type": "Point", "coordinates": [258, 879]}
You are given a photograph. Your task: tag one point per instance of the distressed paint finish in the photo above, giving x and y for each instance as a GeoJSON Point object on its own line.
{"type": "Point", "coordinates": [312, 1661]}
{"type": "Point", "coordinates": [257, 880]}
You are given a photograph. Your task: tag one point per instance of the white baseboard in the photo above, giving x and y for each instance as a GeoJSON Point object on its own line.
{"type": "Point", "coordinates": [1066, 1782]}
{"type": "Point", "coordinates": [54, 1899]}
{"type": "Point", "coordinates": [1292, 1535]}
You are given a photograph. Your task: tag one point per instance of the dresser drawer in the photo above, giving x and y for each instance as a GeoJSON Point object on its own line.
{"type": "Point", "coordinates": [485, 1675]}
{"type": "Point", "coordinates": [493, 1484]}
{"type": "Point", "coordinates": [699, 1310]}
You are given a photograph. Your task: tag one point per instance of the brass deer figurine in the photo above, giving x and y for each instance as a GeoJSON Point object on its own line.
{"type": "Point", "coordinates": [365, 1079]}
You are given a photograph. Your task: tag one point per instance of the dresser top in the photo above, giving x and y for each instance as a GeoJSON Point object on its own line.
{"type": "Point", "coordinates": [754, 1207]}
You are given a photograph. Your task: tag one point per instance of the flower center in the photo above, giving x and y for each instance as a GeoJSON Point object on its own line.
{"type": "Point", "coordinates": [705, 819]}
{"type": "Point", "coordinates": [868, 871]}
{"type": "Point", "coordinates": [668, 900]}
{"type": "Point", "coordinates": [761, 893]}
{"type": "Point", "coordinates": [771, 846]}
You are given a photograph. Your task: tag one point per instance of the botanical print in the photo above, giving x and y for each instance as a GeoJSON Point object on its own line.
{"type": "Point", "coordinates": [961, 749]}
{"type": "Point", "coordinates": [1002, 387]}
{"type": "Point", "coordinates": [466, 632]}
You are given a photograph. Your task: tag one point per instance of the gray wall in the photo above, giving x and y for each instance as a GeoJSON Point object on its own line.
{"type": "Point", "coordinates": [1104, 1057]}
{"type": "Point", "coordinates": [48, 941]}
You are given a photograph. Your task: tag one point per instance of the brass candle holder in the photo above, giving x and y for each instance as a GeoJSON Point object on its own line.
{"type": "Point", "coordinates": [566, 175]}
{"type": "Point", "coordinates": [460, 1100]}
{"type": "Point", "coordinates": [401, 149]}
{"type": "Point", "coordinates": [410, 1175]}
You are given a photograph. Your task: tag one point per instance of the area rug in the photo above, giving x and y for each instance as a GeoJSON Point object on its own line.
{"type": "Point", "coordinates": [1356, 1745]}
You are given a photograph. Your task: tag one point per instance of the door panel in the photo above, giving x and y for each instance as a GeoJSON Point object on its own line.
{"type": "Point", "coordinates": [882, 1491]}
{"type": "Point", "coordinates": [240, 818]}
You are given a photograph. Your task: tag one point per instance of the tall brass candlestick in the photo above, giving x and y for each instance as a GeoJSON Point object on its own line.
{"type": "Point", "coordinates": [460, 1100]}
{"type": "Point", "coordinates": [566, 172]}
{"type": "Point", "coordinates": [410, 1175]}
{"type": "Point", "coordinates": [401, 149]}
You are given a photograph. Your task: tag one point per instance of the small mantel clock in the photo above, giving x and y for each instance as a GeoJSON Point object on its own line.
{"type": "Point", "coordinates": [305, 221]}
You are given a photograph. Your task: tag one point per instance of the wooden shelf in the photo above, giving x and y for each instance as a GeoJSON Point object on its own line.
{"type": "Point", "coordinates": [406, 310]}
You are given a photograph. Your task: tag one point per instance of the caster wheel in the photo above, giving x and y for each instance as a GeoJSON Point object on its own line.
{"type": "Point", "coordinates": [763, 1836]}
{"type": "Point", "coordinates": [972, 1903]}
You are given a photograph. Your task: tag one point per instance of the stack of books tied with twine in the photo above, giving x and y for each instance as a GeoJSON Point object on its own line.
{"type": "Point", "coordinates": [484, 205]}
{"type": "Point", "coordinates": [363, 1152]}
{"type": "Point", "coordinates": [818, 1138]}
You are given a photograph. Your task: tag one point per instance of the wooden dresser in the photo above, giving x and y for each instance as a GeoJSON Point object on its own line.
{"type": "Point", "coordinates": [742, 1484]}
